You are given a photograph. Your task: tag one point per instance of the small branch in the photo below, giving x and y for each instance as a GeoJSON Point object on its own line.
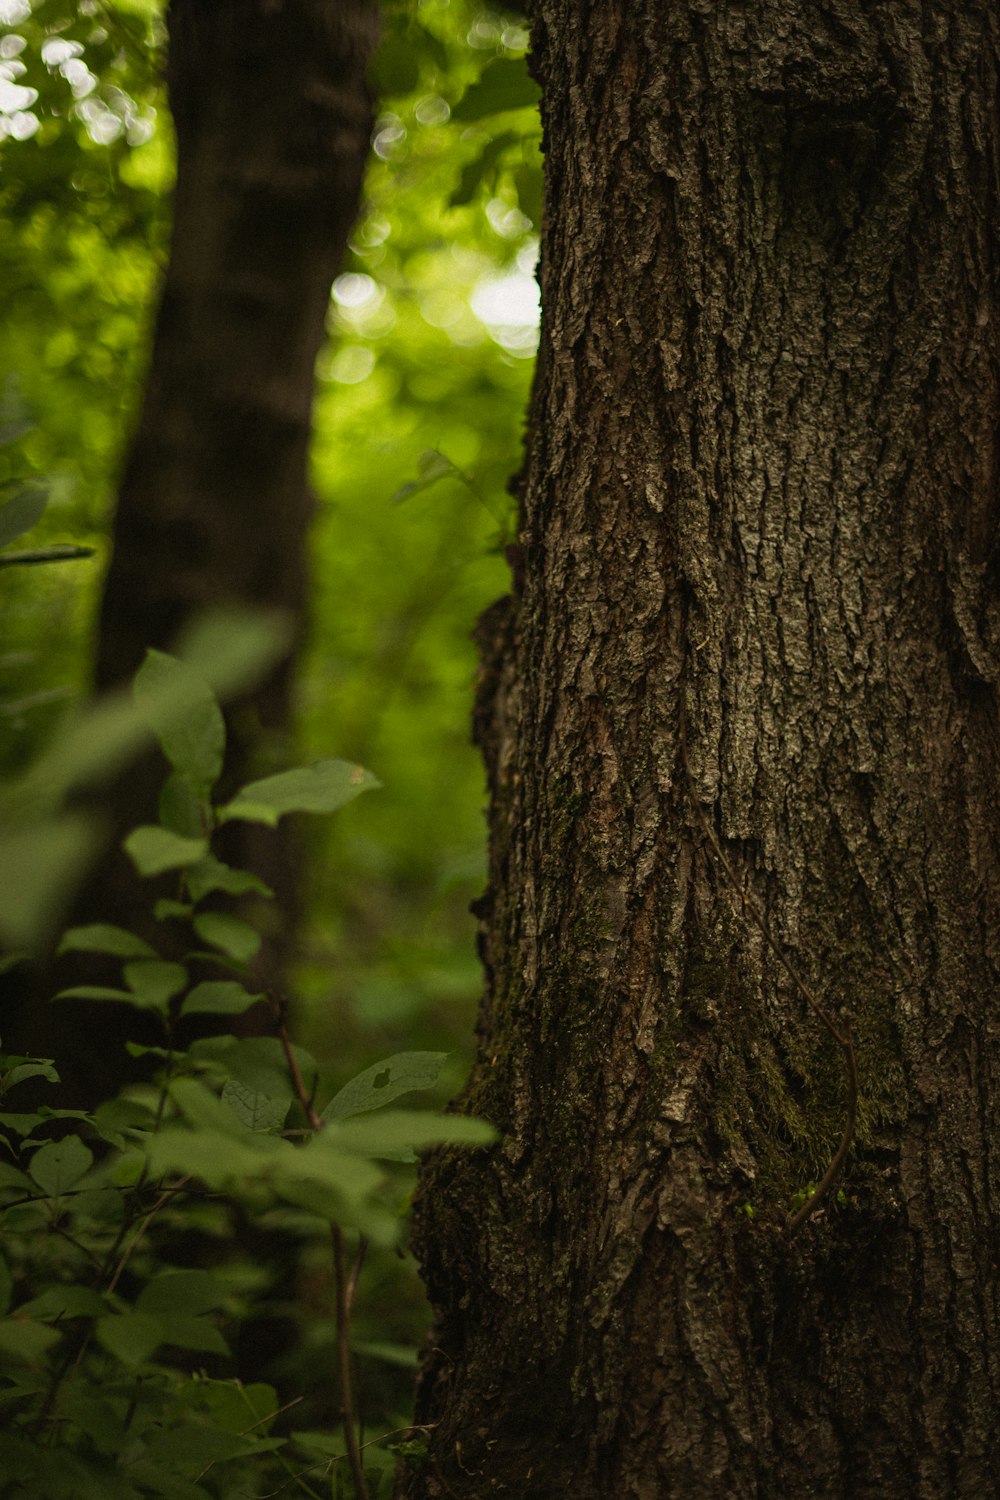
{"type": "Point", "coordinates": [840, 1034]}
{"type": "Point", "coordinates": [344, 1284]}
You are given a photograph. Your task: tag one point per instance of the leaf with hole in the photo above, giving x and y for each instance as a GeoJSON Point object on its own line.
{"type": "Point", "coordinates": [403, 1073]}
{"type": "Point", "coordinates": [60, 1165]}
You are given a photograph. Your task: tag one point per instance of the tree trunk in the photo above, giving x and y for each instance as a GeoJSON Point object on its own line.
{"type": "Point", "coordinates": [272, 114]}
{"type": "Point", "coordinates": [760, 519]}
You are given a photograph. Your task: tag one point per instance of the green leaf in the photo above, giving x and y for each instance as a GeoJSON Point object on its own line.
{"type": "Point", "coordinates": [96, 992]}
{"type": "Point", "coordinates": [181, 809]}
{"type": "Point", "coordinates": [389, 1131]}
{"type": "Point", "coordinates": [58, 552]}
{"type": "Point", "coordinates": [21, 513]}
{"type": "Point", "coordinates": [228, 648]}
{"type": "Point", "coordinates": [191, 1292]}
{"type": "Point", "coordinates": [220, 1158]}
{"type": "Point", "coordinates": [232, 647]}
{"type": "Point", "coordinates": [59, 1166]}
{"type": "Point", "coordinates": [320, 788]}
{"type": "Point", "coordinates": [403, 1073]}
{"type": "Point", "coordinates": [154, 983]}
{"type": "Point", "coordinates": [26, 1341]}
{"type": "Point", "coordinates": [432, 465]}
{"type": "Point", "coordinates": [203, 1109]}
{"type": "Point", "coordinates": [66, 1301]}
{"type": "Point", "coordinates": [34, 1068]}
{"type": "Point", "coordinates": [153, 850]}
{"type": "Point", "coordinates": [167, 910]}
{"type": "Point", "coordinates": [505, 84]}
{"type": "Point", "coordinates": [42, 864]}
{"type": "Point", "coordinates": [256, 1111]}
{"type": "Point", "coordinates": [482, 167]}
{"type": "Point", "coordinates": [232, 935]}
{"type": "Point", "coordinates": [186, 1332]}
{"type": "Point", "coordinates": [218, 997]}
{"type": "Point", "coordinates": [131, 1337]}
{"type": "Point", "coordinates": [181, 709]}
{"type": "Point", "coordinates": [257, 1062]}
{"type": "Point", "coordinates": [212, 875]}
{"type": "Point", "coordinates": [11, 1177]}
{"type": "Point", "coordinates": [390, 1354]}
{"type": "Point", "coordinates": [102, 937]}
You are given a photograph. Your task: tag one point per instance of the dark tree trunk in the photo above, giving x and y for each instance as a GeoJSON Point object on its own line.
{"type": "Point", "coordinates": [272, 113]}
{"type": "Point", "coordinates": [760, 514]}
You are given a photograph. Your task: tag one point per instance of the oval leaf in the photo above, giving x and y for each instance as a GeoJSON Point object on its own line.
{"type": "Point", "coordinates": [155, 850]}
{"type": "Point", "coordinates": [379, 1085]}
{"type": "Point", "coordinates": [103, 937]}
{"type": "Point", "coordinates": [218, 997]}
{"type": "Point", "coordinates": [236, 938]}
{"type": "Point", "coordinates": [320, 788]}
{"type": "Point", "coordinates": [59, 1166]}
{"type": "Point", "coordinates": [153, 983]}
{"type": "Point", "coordinates": [183, 713]}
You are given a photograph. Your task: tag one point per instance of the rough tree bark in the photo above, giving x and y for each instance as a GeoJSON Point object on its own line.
{"type": "Point", "coordinates": [272, 114]}
{"type": "Point", "coordinates": [760, 512]}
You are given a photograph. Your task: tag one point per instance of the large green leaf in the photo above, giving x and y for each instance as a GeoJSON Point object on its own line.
{"type": "Point", "coordinates": [154, 983]}
{"type": "Point", "coordinates": [25, 1341]}
{"type": "Point", "coordinates": [505, 84]}
{"type": "Point", "coordinates": [218, 997]}
{"type": "Point", "coordinates": [379, 1085]}
{"type": "Point", "coordinates": [103, 937]}
{"type": "Point", "coordinates": [184, 714]}
{"type": "Point", "coordinates": [389, 1131]}
{"type": "Point", "coordinates": [131, 1337]}
{"type": "Point", "coordinates": [234, 937]}
{"type": "Point", "coordinates": [192, 1292]}
{"type": "Point", "coordinates": [320, 788]}
{"type": "Point", "coordinates": [59, 1166]}
{"type": "Point", "coordinates": [155, 850]}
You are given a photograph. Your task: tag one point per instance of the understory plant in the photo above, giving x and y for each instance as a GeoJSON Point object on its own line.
{"type": "Point", "coordinates": [125, 1282]}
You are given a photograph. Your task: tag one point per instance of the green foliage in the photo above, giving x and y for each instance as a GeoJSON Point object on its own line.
{"type": "Point", "coordinates": [118, 1366]}
{"type": "Point", "coordinates": [418, 388]}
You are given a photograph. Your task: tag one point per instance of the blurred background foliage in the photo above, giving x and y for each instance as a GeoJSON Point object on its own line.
{"type": "Point", "coordinates": [422, 392]}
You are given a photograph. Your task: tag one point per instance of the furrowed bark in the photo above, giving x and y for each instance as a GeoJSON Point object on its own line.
{"type": "Point", "coordinates": [760, 502]}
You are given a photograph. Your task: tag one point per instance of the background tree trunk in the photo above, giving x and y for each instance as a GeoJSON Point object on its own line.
{"type": "Point", "coordinates": [759, 510]}
{"type": "Point", "coordinates": [272, 113]}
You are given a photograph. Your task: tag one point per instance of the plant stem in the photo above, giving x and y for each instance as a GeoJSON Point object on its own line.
{"type": "Point", "coordinates": [344, 1284]}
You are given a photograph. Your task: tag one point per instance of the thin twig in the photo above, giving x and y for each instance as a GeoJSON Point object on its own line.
{"type": "Point", "coordinates": [344, 1285]}
{"type": "Point", "coordinates": [840, 1034]}
{"type": "Point", "coordinates": [160, 1204]}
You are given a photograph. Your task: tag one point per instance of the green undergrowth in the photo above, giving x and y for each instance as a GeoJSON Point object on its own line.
{"type": "Point", "coordinates": [179, 1265]}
